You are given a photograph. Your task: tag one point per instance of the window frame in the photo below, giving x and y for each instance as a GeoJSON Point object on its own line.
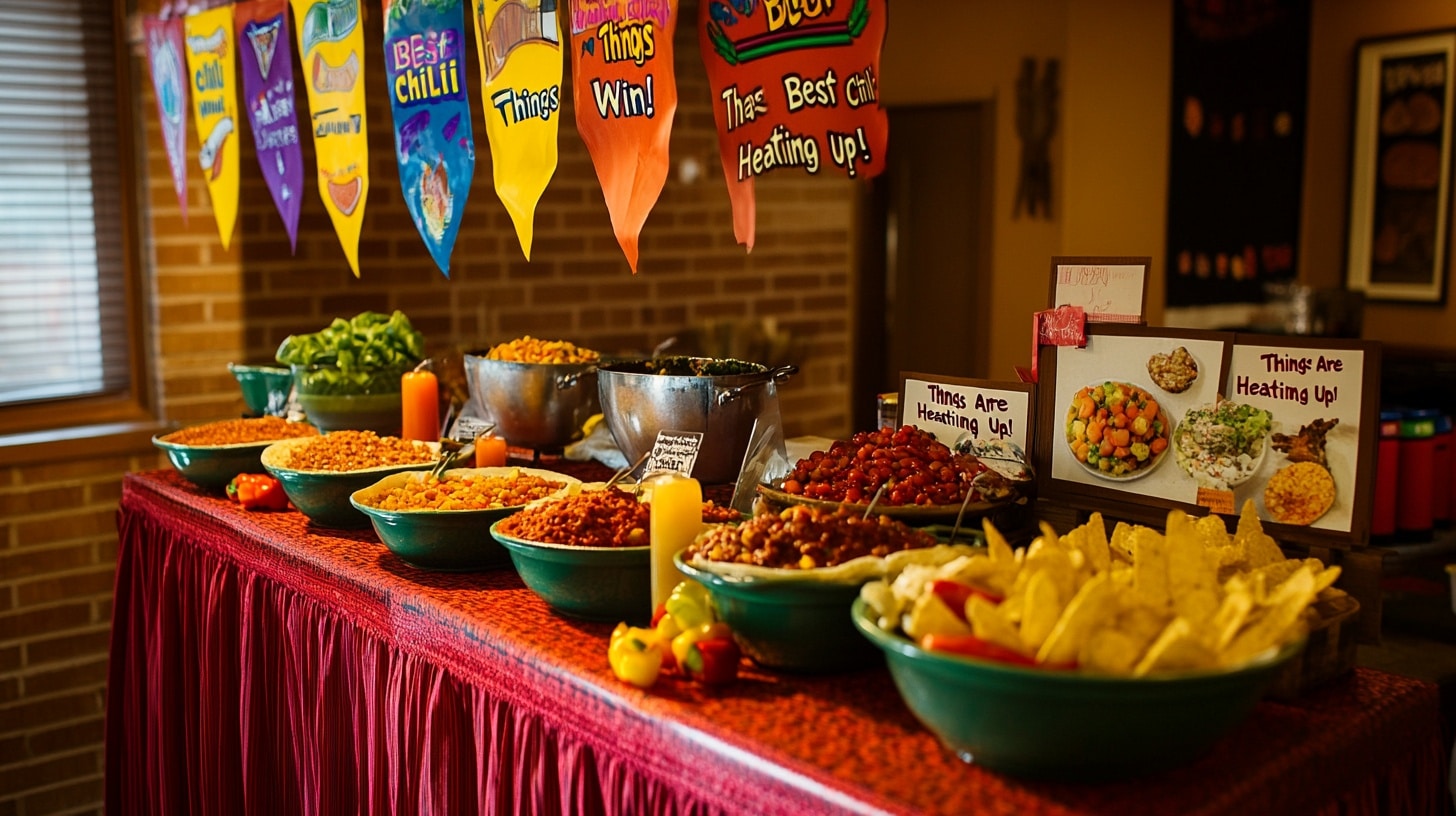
{"type": "Point", "coordinates": [137, 402]}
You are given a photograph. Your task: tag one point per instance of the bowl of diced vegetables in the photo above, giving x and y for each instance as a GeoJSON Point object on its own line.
{"type": "Point", "coordinates": [347, 376]}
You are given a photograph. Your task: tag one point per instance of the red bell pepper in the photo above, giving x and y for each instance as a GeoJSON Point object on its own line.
{"type": "Point", "coordinates": [972, 646]}
{"type": "Point", "coordinates": [257, 491]}
{"type": "Point", "coordinates": [955, 594]}
{"type": "Point", "coordinates": [713, 661]}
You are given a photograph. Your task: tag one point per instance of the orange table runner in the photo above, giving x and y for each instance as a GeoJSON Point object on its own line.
{"type": "Point", "coordinates": [260, 664]}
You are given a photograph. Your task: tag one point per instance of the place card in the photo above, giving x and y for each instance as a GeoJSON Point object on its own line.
{"type": "Point", "coordinates": [675, 451]}
{"type": "Point", "coordinates": [1109, 290]}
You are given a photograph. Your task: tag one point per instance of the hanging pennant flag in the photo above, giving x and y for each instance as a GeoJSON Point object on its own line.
{"type": "Point", "coordinates": [625, 93]}
{"type": "Point", "coordinates": [268, 95]}
{"type": "Point", "coordinates": [795, 89]}
{"type": "Point", "coordinates": [169, 82]}
{"type": "Point", "coordinates": [209, 46]}
{"type": "Point", "coordinates": [424, 61]}
{"type": "Point", "coordinates": [519, 47]}
{"type": "Point", "coordinates": [331, 46]}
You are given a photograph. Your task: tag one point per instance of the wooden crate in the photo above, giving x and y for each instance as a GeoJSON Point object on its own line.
{"type": "Point", "coordinates": [1328, 654]}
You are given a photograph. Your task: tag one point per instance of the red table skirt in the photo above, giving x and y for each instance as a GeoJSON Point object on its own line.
{"type": "Point", "coordinates": [261, 665]}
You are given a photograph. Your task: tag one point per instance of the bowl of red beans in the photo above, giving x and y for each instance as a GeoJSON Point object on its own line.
{"type": "Point", "coordinates": [905, 473]}
{"type": "Point", "coordinates": [441, 522]}
{"type": "Point", "coordinates": [587, 553]}
{"type": "Point", "coordinates": [784, 581]}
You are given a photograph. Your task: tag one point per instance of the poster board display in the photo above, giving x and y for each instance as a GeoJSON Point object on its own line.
{"type": "Point", "coordinates": [1287, 423]}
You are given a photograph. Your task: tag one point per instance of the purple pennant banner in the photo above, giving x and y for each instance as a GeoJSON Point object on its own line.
{"type": "Point", "coordinates": [267, 60]}
{"type": "Point", "coordinates": [169, 81]}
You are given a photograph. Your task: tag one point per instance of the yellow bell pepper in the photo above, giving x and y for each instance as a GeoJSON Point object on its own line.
{"type": "Point", "coordinates": [634, 655]}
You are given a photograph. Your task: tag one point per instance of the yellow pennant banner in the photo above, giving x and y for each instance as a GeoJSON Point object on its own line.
{"type": "Point", "coordinates": [209, 41]}
{"type": "Point", "coordinates": [331, 48]}
{"type": "Point", "coordinates": [519, 47]}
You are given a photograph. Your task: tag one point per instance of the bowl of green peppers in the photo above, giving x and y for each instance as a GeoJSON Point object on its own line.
{"type": "Point", "coordinates": [347, 376]}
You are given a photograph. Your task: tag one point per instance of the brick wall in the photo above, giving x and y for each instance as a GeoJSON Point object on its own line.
{"type": "Point", "coordinates": [210, 307]}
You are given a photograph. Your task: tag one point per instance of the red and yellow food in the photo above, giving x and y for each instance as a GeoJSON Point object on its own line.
{"type": "Point", "coordinates": [594, 518]}
{"type": "Point", "coordinates": [257, 491]}
{"type": "Point", "coordinates": [1116, 429]}
{"type": "Point", "coordinates": [685, 638]}
{"type": "Point", "coordinates": [529, 349]}
{"type": "Point", "coordinates": [240, 432]}
{"type": "Point", "coordinates": [802, 537]}
{"type": "Point", "coordinates": [465, 491]}
{"type": "Point", "coordinates": [1141, 602]}
{"type": "Point", "coordinates": [344, 451]}
{"type": "Point", "coordinates": [919, 470]}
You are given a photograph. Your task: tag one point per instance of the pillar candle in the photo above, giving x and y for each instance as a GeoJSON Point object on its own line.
{"type": "Point", "coordinates": [420, 398]}
{"type": "Point", "coordinates": [677, 517]}
{"type": "Point", "coordinates": [490, 451]}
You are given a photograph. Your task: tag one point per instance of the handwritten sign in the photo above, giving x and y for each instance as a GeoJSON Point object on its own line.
{"type": "Point", "coordinates": [1109, 290]}
{"type": "Point", "coordinates": [1062, 326]}
{"type": "Point", "coordinates": [960, 412]}
{"type": "Point", "coordinates": [675, 451]}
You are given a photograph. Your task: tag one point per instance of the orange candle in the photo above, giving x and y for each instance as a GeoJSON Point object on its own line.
{"type": "Point", "coordinates": [420, 398]}
{"type": "Point", "coordinates": [490, 451]}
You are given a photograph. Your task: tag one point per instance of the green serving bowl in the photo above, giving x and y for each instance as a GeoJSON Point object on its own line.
{"type": "Point", "coordinates": [213, 466]}
{"type": "Point", "coordinates": [265, 388]}
{"type": "Point", "coordinates": [364, 399]}
{"type": "Point", "coordinates": [1063, 725]}
{"type": "Point", "coordinates": [789, 622]}
{"type": "Point", "coordinates": [443, 540]}
{"type": "Point", "coordinates": [608, 584]}
{"type": "Point", "coordinates": [323, 495]}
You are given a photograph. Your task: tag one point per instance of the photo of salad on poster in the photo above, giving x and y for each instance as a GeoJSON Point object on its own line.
{"type": "Point", "coordinates": [518, 43]}
{"type": "Point", "coordinates": [331, 46]}
{"type": "Point", "coordinates": [209, 45]}
{"type": "Point", "coordinates": [169, 83]}
{"type": "Point", "coordinates": [262, 27]}
{"type": "Point", "coordinates": [625, 93]}
{"type": "Point", "coordinates": [424, 62]}
{"type": "Point", "coordinates": [795, 88]}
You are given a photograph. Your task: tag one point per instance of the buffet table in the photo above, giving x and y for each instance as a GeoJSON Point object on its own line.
{"type": "Point", "coordinates": [259, 664]}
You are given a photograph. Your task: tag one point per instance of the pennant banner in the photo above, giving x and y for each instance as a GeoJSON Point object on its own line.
{"type": "Point", "coordinates": [519, 49]}
{"type": "Point", "coordinates": [625, 93]}
{"type": "Point", "coordinates": [795, 89]}
{"type": "Point", "coordinates": [169, 82]}
{"type": "Point", "coordinates": [267, 59]}
{"type": "Point", "coordinates": [209, 47]}
{"type": "Point", "coordinates": [331, 46]}
{"type": "Point", "coordinates": [424, 60]}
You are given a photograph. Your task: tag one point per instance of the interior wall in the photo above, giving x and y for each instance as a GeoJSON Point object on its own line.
{"type": "Point", "coordinates": [1338, 25]}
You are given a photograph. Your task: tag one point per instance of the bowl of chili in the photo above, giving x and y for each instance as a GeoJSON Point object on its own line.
{"type": "Point", "coordinates": [441, 522]}
{"type": "Point", "coordinates": [320, 474]}
{"type": "Point", "coordinates": [210, 455]}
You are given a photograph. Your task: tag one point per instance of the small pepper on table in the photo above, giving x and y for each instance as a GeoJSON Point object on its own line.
{"type": "Point", "coordinates": [257, 491]}
{"type": "Point", "coordinates": [685, 637]}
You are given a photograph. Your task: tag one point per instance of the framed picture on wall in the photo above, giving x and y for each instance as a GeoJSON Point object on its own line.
{"type": "Point", "coordinates": [1400, 179]}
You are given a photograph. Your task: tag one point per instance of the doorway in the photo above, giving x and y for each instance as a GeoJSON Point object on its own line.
{"type": "Point", "coordinates": [924, 253]}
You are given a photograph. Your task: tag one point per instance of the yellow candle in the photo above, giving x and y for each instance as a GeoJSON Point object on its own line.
{"type": "Point", "coordinates": [677, 517]}
{"type": "Point", "coordinates": [490, 451]}
{"type": "Point", "coordinates": [420, 400]}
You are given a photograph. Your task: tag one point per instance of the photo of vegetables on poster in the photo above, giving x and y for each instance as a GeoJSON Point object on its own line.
{"type": "Point", "coordinates": [169, 83]}
{"type": "Point", "coordinates": [625, 92]}
{"type": "Point", "coordinates": [209, 45]}
{"type": "Point", "coordinates": [267, 59]}
{"type": "Point", "coordinates": [331, 46]}
{"type": "Point", "coordinates": [795, 89]}
{"type": "Point", "coordinates": [518, 44]}
{"type": "Point", "coordinates": [424, 60]}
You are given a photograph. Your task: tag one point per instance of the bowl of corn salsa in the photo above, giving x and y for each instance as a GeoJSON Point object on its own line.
{"type": "Point", "coordinates": [320, 474]}
{"type": "Point", "coordinates": [443, 522]}
{"type": "Point", "coordinates": [210, 455]}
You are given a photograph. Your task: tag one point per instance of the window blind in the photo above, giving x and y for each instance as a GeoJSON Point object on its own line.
{"type": "Point", "coordinates": [63, 309]}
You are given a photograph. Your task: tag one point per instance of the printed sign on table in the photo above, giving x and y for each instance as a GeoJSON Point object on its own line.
{"type": "Point", "coordinates": [795, 88]}
{"type": "Point", "coordinates": [169, 82]}
{"type": "Point", "coordinates": [331, 45]}
{"type": "Point", "coordinates": [268, 96]}
{"type": "Point", "coordinates": [987, 419]}
{"type": "Point", "coordinates": [424, 61]}
{"type": "Point", "coordinates": [209, 46]}
{"type": "Point", "coordinates": [625, 92]}
{"type": "Point", "coordinates": [519, 48]}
